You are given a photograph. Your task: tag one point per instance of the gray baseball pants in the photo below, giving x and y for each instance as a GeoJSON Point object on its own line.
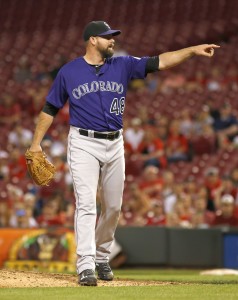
{"type": "Point", "coordinates": [95, 163]}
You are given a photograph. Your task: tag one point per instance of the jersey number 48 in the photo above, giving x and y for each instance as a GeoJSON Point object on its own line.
{"type": "Point", "coordinates": [117, 106]}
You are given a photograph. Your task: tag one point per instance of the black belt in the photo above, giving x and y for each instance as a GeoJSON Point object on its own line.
{"type": "Point", "coordinates": [99, 135]}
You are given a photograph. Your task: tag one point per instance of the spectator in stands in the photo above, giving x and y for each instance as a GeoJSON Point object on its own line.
{"type": "Point", "coordinates": [59, 163]}
{"type": "Point", "coordinates": [17, 164]}
{"type": "Point", "coordinates": [231, 78]}
{"type": "Point", "coordinates": [125, 218]}
{"type": "Point", "coordinates": [187, 204]}
{"type": "Point", "coordinates": [202, 217]}
{"type": "Point", "coordinates": [22, 72]}
{"type": "Point", "coordinates": [214, 108]}
{"type": "Point", "coordinates": [162, 133]}
{"type": "Point", "coordinates": [143, 115]}
{"type": "Point", "coordinates": [225, 216]}
{"type": "Point", "coordinates": [179, 189]}
{"type": "Point", "coordinates": [208, 132]}
{"type": "Point", "coordinates": [58, 61]}
{"type": "Point", "coordinates": [227, 187]}
{"type": "Point", "coordinates": [191, 186]}
{"type": "Point", "coordinates": [173, 220]}
{"type": "Point", "coordinates": [19, 219]}
{"type": "Point", "coordinates": [30, 202]}
{"type": "Point", "coordinates": [41, 72]}
{"type": "Point", "coordinates": [52, 214]}
{"type": "Point", "coordinates": [69, 215]}
{"type": "Point", "coordinates": [183, 219]}
{"type": "Point", "coordinates": [4, 167]}
{"type": "Point", "coordinates": [58, 147]}
{"type": "Point", "coordinates": [4, 214]}
{"type": "Point", "coordinates": [234, 144]}
{"type": "Point", "coordinates": [14, 197]}
{"type": "Point", "coordinates": [186, 123]}
{"type": "Point", "coordinates": [152, 83]}
{"type": "Point", "coordinates": [151, 149]}
{"type": "Point", "coordinates": [213, 184]}
{"type": "Point", "coordinates": [198, 221]}
{"type": "Point", "coordinates": [119, 51]}
{"type": "Point", "coordinates": [172, 81]}
{"type": "Point", "coordinates": [226, 125]}
{"type": "Point", "coordinates": [22, 219]}
{"type": "Point", "coordinates": [10, 110]}
{"type": "Point", "coordinates": [20, 137]}
{"type": "Point", "coordinates": [203, 191]}
{"type": "Point", "coordinates": [161, 128]}
{"type": "Point", "coordinates": [198, 82]}
{"type": "Point", "coordinates": [177, 144]}
{"type": "Point", "coordinates": [187, 209]}
{"type": "Point", "coordinates": [162, 121]}
{"type": "Point", "coordinates": [151, 182]}
{"type": "Point", "coordinates": [37, 96]}
{"type": "Point", "coordinates": [234, 177]}
{"type": "Point", "coordinates": [21, 216]}
{"type": "Point", "coordinates": [136, 206]}
{"type": "Point", "coordinates": [64, 115]}
{"type": "Point", "coordinates": [156, 215]}
{"type": "Point", "coordinates": [203, 118]}
{"type": "Point", "coordinates": [134, 134]}
{"type": "Point", "coordinates": [168, 191]}
{"type": "Point", "coordinates": [214, 83]}
{"type": "Point", "coordinates": [46, 145]}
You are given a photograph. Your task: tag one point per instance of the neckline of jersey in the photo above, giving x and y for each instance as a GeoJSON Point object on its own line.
{"type": "Point", "coordinates": [94, 65]}
{"type": "Point", "coordinates": [102, 68]}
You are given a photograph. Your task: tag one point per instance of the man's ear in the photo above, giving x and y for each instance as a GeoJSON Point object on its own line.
{"type": "Point", "coordinates": [93, 40]}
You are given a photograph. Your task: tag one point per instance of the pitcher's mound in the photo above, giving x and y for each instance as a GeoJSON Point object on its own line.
{"type": "Point", "coordinates": [11, 279]}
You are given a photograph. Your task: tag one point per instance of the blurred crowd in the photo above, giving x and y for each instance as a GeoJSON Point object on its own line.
{"type": "Point", "coordinates": [159, 134]}
{"type": "Point", "coordinates": [157, 200]}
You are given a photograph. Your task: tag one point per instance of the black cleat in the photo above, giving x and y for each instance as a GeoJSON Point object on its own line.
{"type": "Point", "coordinates": [88, 278]}
{"type": "Point", "coordinates": [104, 271]}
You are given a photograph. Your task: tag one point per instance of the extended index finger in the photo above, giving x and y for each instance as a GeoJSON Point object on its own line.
{"type": "Point", "coordinates": [214, 46]}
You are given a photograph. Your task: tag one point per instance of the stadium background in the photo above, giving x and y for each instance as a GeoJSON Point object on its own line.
{"type": "Point", "coordinates": [183, 107]}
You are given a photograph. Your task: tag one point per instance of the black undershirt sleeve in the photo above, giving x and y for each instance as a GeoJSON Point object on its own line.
{"type": "Point", "coordinates": [152, 64]}
{"type": "Point", "coordinates": [50, 109]}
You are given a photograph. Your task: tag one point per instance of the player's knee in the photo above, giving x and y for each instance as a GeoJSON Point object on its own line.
{"type": "Point", "coordinates": [114, 210]}
{"type": "Point", "coordinates": [86, 209]}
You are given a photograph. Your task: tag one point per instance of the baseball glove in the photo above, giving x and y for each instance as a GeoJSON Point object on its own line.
{"type": "Point", "coordinates": [39, 167]}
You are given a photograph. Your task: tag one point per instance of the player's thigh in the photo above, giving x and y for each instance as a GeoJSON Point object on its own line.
{"type": "Point", "coordinates": [113, 175]}
{"type": "Point", "coordinates": [84, 169]}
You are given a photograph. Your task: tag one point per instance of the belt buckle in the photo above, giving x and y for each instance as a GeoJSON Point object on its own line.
{"type": "Point", "coordinates": [111, 136]}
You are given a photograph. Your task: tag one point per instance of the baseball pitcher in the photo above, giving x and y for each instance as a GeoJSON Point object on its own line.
{"type": "Point", "coordinates": [95, 86]}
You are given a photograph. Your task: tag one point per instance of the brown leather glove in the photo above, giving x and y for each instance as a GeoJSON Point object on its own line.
{"type": "Point", "coordinates": [39, 167]}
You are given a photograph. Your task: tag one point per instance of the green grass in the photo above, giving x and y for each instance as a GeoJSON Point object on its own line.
{"type": "Point", "coordinates": [176, 276]}
{"type": "Point", "coordinates": [186, 284]}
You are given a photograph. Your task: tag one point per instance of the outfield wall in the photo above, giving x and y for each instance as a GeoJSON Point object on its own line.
{"type": "Point", "coordinates": [54, 249]}
{"type": "Point", "coordinates": [174, 247]}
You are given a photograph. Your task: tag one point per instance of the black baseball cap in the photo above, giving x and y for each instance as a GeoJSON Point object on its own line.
{"type": "Point", "coordinates": [98, 28]}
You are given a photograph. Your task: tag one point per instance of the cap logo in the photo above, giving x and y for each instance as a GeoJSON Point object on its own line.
{"type": "Point", "coordinates": [107, 25]}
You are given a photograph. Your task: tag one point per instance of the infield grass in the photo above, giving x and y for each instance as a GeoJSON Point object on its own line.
{"type": "Point", "coordinates": [186, 284]}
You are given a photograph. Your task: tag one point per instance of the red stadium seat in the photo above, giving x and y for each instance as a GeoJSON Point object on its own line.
{"type": "Point", "coordinates": [202, 145]}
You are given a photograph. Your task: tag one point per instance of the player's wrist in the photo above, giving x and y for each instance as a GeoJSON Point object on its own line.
{"type": "Point", "coordinates": [192, 50]}
{"type": "Point", "coordinates": [35, 148]}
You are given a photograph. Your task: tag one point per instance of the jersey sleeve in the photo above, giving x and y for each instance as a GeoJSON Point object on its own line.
{"type": "Point", "coordinates": [58, 95]}
{"type": "Point", "coordinates": [136, 66]}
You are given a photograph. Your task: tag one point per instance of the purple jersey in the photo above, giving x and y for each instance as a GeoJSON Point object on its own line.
{"type": "Point", "coordinates": [96, 101]}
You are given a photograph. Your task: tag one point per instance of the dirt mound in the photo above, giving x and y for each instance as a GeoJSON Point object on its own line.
{"type": "Point", "coordinates": [11, 279]}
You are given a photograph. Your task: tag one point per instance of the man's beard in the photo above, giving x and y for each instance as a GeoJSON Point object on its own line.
{"type": "Point", "coordinates": [106, 53]}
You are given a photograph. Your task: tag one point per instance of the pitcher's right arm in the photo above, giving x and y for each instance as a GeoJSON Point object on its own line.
{"type": "Point", "coordinates": [44, 122]}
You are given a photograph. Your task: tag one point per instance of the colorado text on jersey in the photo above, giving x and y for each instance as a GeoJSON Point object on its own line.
{"type": "Point", "coordinates": [95, 86]}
